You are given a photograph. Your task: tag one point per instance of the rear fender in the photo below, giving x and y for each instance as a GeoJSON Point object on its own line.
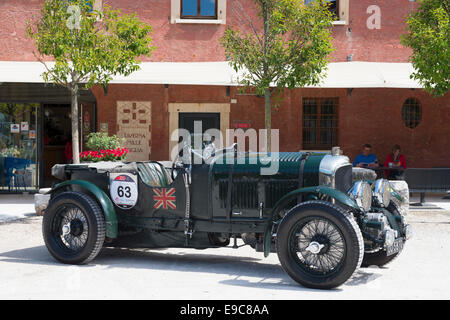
{"type": "Point", "coordinates": [102, 198]}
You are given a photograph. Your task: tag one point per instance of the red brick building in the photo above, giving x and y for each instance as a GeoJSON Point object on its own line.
{"type": "Point", "coordinates": [187, 78]}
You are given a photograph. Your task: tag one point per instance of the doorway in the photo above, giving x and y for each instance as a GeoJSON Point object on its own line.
{"type": "Point", "coordinates": [175, 109]}
{"type": "Point", "coordinates": [57, 136]}
{"type": "Point", "coordinates": [208, 120]}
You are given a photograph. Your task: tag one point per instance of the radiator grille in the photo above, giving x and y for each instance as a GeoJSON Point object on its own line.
{"type": "Point", "coordinates": [244, 194]}
{"type": "Point", "coordinates": [275, 190]}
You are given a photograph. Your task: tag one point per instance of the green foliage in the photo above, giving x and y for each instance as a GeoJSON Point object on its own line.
{"type": "Point", "coordinates": [101, 141]}
{"type": "Point", "coordinates": [428, 35]}
{"type": "Point", "coordinates": [289, 47]}
{"type": "Point", "coordinates": [88, 47]}
{"type": "Point", "coordinates": [100, 46]}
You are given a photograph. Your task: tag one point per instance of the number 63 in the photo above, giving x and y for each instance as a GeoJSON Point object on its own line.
{"type": "Point", "coordinates": [121, 192]}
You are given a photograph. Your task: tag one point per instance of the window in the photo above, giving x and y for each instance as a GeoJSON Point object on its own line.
{"type": "Point", "coordinates": [411, 113]}
{"type": "Point", "coordinates": [339, 8]}
{"type": "Point", "coordinates": [199, 9]}
{"type": "Point", "coordinates": [332, 6]}
{"type": "Point", "coordinates": [320, 123]}
{"type": "Point", "coordinates": [94, 4]}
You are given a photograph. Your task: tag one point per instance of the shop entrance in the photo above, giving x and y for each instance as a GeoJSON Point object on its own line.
{"type": "Point", "coordinates": [35, 127]}
{"type": "Point", "coordinates": [57, 135]}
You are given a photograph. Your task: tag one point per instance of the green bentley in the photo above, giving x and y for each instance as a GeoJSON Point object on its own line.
{"type": "Point", "coordinates": [323, 218]}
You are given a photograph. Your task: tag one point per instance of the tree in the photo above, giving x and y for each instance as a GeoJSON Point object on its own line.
{"type": "Point", "coordinates": [288, 47]}
{"type": "Point", "coordinates": [428, 35]}
{"type": "Point", "coordinates": [88, 47]}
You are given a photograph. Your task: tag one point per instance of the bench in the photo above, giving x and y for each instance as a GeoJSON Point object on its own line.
{"type": "Point", "coordinates": [431, 180]}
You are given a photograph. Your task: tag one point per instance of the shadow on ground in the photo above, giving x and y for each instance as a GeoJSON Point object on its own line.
{"type": "Point", "coordinates": [247, 271]}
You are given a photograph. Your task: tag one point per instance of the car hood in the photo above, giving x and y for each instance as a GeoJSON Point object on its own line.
{"type": "Point", "coordinates": [283, 162]}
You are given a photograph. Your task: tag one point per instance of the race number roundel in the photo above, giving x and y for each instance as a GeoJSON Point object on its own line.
{"type": "Point", "coordinates": [123, 190]}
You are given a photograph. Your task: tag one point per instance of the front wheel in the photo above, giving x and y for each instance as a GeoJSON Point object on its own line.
{"type": "Point", "coordinates": [73, 228]}
{"type": "Point", "coordinates": [319, 245]}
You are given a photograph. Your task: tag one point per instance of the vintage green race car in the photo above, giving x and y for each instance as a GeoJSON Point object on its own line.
{"type": "Point", "coordinates": [322, 217]}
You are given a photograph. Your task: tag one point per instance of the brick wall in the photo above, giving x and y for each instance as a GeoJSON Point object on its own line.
{"type": "Point", "coordinates": [366, 116]}
{"type": "Point", "coordinates": [185, 42]}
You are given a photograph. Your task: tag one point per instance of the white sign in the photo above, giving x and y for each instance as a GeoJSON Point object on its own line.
{"type": "Point", "coordinates": [24, 126]}
{"type": "Point", "coordinates": [123, 189]}
{"type": "Point", "coordinates": [15, 128]}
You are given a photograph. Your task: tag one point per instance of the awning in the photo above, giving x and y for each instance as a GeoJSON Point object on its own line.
{"type": "Point", "coordinates": [339, 74]}
{"type": "Point", "coordinates": [369, 75]}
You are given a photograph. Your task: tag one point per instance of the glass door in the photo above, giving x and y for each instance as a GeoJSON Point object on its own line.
{"type": "Point", "coordinates": [18, 147]}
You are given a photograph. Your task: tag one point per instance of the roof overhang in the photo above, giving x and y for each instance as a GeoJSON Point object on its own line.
{"type": "Point", "coordinates": [339, 74]}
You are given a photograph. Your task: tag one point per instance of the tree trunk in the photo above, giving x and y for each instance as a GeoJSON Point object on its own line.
{"type": "Point", "coordinates": [268, 119]}
{"type": "Point", "coordinates": [75, 129]}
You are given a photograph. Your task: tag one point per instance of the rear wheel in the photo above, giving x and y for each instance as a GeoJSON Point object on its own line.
{"type": "Point", "coordinates": [319, 245]}
{"type": "Point", "coordinates": [73, 228]}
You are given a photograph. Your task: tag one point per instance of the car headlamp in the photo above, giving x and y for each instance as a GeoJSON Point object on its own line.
{"type": "Point", "coordinates": [362, 194]}
{"type": "Point", "coordinates": [325, 179]}
{"type": "Point", "coordinates": [389, 237]}
{"type": "Point", "coordinates": [382, 192]}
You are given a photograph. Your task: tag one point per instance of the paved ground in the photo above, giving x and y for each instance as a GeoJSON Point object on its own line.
{"type": "Point", "coordinates": [27, 271]}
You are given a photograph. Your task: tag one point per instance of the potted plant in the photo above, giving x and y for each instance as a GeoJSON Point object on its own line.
{"type": "Point", "coordinates": [102, 147]}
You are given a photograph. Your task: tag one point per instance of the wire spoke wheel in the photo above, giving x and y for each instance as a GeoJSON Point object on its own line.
{"type": "Point", "coordinates": [71, 226]}
{"type": "Point", "coordinates": [317, 245]}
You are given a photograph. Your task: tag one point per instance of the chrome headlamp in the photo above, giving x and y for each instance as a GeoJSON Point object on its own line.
{"type": "Point", "coordinates": [325, 180]}
{"type": "Point", "coordinates": [382, 192]}
{"type": "Point", "coordinates": [362, 194]}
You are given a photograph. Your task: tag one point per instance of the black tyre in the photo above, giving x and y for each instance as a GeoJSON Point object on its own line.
{"type": "Point", "coordinates": [73, 228]}
{"type": "Point", "coordinates": [319, 245]}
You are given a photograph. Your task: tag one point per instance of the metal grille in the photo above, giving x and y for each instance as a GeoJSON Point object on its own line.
{"type": "Point", "coordinates": [320, 123]}
{"type": "Point", "coordinates": [276, 189]}
{"type": "Point", "coordinates": [411, 113]}
{"type": "Point", "coordinates": [244, 194]}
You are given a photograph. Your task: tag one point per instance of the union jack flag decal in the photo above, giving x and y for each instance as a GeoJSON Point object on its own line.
{"type": "Point", "coordinates": [164, 198]}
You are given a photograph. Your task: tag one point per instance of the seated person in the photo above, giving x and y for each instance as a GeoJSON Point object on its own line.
{"type": "Point", "coordinates": [395, 160]}
{"type": "Point", "coordinates": [366, 159]}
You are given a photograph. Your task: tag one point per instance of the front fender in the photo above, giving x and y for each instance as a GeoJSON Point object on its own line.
{"type": "Point", "coordinates": [284, 201]}
{"type": "Point", "coordinates": [333, 193]}
{"type": "Point", "coordinates": [102, 198]}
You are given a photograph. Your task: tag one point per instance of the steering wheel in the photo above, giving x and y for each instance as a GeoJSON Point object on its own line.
{"type": "Point", "coordinates": [175, 164]}
{"type": "Point", "coordinates": [187, 150]}
{"type": "Point", "coordinates": [179, 159]}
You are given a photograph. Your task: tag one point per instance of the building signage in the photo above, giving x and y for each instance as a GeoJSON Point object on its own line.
{"type": "Point", "coordinates": [134, 125]}
{"type": "Point", "coordinates": [24, 126]}
{"type": "Point", "coordinates": [15, 128]}
{"type": "Point", "coordinates": [242, 124]}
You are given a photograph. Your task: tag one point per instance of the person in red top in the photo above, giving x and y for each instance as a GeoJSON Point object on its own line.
{"type": "Point", "coordinates": [395, 160]}
{"type": "Point", "coordinates": [68, 150]}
